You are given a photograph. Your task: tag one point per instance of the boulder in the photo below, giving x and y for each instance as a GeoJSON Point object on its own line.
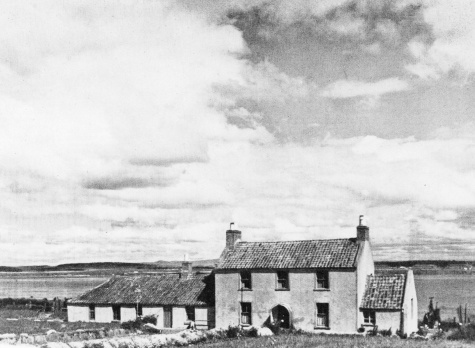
{"type": "Point", "coordinates": [149, 327]}
{"type": "Point", "coordinates": [264, 331]}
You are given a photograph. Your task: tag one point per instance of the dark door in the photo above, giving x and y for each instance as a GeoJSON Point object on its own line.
{"type": "Point", "coordinates": [167, 317]}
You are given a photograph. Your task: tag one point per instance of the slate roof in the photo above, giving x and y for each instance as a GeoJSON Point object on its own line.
{"type": "Point", "coordinates": [330, 253]}
{"type": "Point", "coordinates": [384, 291]}
{"type": "Point", "coordinates": [165, 290]}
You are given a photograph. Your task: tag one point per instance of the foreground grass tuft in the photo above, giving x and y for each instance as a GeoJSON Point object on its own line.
{"type": "Point", "coordinates": [331, 341]}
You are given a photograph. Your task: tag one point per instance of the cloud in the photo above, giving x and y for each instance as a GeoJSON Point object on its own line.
{"type": "Point", "coordinates": [137, 126]}
{"type": "Point", "coordinates": [392, 23]}
{"type": "Point", "coordinates": [450, 48]}
{"type": "Point", "coordinates": [352, 89]}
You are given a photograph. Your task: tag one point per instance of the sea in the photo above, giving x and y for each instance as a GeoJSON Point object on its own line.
{"type": "Point", "coordinates": [448, 291]}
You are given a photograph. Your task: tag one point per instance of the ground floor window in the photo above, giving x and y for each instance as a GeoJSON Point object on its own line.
{"type": "Point", "coordinates": [322, 317]}
{"type": "Point", "coordinates": [139, 310]}
{"type": "Point", "coordinates": [246, 313]}
{"type": "Point", "coordinates": [190, 313]}
{"type": "Point", "coordinates": [116, 313]}
{"type": "Point", "coordinates": [92, 312]}
{"type": "Point", "coordinates": [369, 317]}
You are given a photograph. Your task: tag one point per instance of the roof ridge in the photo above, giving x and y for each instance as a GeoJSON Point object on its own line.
{"type": "Point", "coordinates": [297, 241]}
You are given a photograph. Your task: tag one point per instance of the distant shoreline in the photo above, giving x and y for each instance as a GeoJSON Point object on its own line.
{"type": "Point", "coordinates": [108, 268]}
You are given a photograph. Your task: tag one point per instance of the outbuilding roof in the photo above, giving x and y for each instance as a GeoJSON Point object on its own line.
{"type": "Point", "coordinates": [164, 290]}
{"type": "Point", "coordinates": [330, 253]}
{"type": "Point", "coordinates": [384, 291]}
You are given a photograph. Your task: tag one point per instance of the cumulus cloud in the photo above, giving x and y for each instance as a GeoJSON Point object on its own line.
{"type": "Point", "coordinates": [139, 131]}
{"type": "Point", "coordinates": [351, 89]}
{"type": "Point", "coordinates": [450, 49]}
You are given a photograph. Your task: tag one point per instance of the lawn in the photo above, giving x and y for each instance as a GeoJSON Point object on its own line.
{"type": "Point", "coordinates": [332, 341]}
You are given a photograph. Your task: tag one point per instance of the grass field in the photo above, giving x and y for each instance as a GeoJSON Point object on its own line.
{"type": "Point", "coordinates": [30, 326]}
{"type": "Point", "coordinates": [332, 341]}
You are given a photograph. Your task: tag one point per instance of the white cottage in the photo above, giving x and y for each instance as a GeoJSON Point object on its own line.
{"type": "Point", "coordinates": [173, 298]}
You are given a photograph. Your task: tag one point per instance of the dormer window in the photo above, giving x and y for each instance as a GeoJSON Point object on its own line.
{"type": "Point", "coordinates": [246, 282]}
{"type": "Point", "coordinates": [282, 280]}
{"type": "Point", "coordinates": [321, 280]}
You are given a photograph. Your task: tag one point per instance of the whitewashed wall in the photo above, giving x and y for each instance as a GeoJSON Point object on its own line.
{"type": "Point", "coordinates": [178, 317]}
{"type": "Point", "coordinates": [104, 314]}
{"type": "Point", "coordinates": [78, 313]}
{"type": "Point", "coordinates": [128, 313]}
{"type": "Point", "coordinates": [155, 311]}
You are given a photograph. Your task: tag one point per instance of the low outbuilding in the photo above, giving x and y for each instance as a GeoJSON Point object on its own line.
{"type": "Point", "coordinates": [175, 299]}
{"type": "Point", "coordinates": [390, 302]}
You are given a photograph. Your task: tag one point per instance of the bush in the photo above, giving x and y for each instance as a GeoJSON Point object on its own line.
{"type": "Point", "coordinates": [386, 333]}
{"type": "Point", "coordinates": [252, 332]}
{"type": "Point", "coordinates": [464, 332]}
{"type": "Point", "coordinates": [233, 331]}
{"type": "Point", "coordinates": [132, 325]}
{"type": "Point", "coordinates": [150, 319]}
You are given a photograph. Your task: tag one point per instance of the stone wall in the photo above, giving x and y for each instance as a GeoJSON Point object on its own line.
{"type": "Point", "coordinates": [54, 336]}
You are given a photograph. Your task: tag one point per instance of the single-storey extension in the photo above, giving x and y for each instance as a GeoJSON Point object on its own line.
{"type": "Point", "coordinates": [175, 299]}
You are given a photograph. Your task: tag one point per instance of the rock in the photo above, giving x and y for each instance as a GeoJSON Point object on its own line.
{"type": "Point", "coordinates": [40, 339]}
{"type": "Point", "coordinates": [151, 328]}
{"type": "Point", "coordinates": [264, 331]}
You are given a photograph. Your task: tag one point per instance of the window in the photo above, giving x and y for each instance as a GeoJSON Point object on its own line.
{"type": "Point", "coordinates": [369, 317]}
{"type": "Point", "coordinates": [322, 320]}
{"type": "Point", "coordinates": [116, 312]}
{"type": "Point", "coordinates": [246, 313]}
{"type": "Point", "coordinates": [92, 312]}
{"type": "Point", "coordinates": [190, 313]}
{"type": "Point", "coordinates": [322, 280]}
{"type": "Point", "coordinates": [412, 308]}
{"type": "Point", "coordinates": [282, 280]}
{"type": "Point", "coordinates": [139, 310]}
{"type": "Point", "coordinates": [246, 283]}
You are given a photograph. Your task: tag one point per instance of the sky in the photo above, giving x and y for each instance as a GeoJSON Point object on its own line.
{"type": "Point", "coordinates": [138, 130]}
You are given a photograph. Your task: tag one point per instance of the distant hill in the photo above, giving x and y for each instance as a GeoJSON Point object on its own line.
{"type": "Point", "coordinates": [119, 266]}
{"type": "Point", "coordinates": [419, 266]}
{"type": "Point", "coordinates": [9, 269]}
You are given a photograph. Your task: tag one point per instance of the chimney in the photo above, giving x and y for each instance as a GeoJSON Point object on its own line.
{"type": "Point", "coordinates": [232, 237]}
{"type": "Point", "coordinates": [186, 268]}
{"type": "Point", "coordinates": [362, 231]}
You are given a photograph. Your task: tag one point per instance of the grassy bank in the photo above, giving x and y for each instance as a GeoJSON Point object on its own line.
{"type": "Point", "coordinates": [331, 341]}
{"type": "Point", "coordinates": [30, 326]}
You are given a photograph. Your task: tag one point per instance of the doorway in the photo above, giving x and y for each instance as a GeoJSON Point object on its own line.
{"type": "Point", "coordinates": [281, 315]}
{"type": "Point", "coordinates": [167, 317]}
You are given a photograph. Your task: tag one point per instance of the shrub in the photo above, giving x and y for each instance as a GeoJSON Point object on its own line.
{"type": "Point", "coordinates": [252, 332]}
{"type": "Point", "coordinates": [131, 325]}
{"type": "Point", "coordinates": [464, 332]}
{"type": "Point", "coordinates": [151, 319]}
{"type": "Point", "coordinates": [233, 331]}
{"type": "Point", "coordinates": [386, 333]}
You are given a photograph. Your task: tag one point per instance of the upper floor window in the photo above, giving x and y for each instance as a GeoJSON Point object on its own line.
{"type": "Point", "coordinates": [282, 280]}
{"type": "Point", "coordinates": [92, 312]}
{"type": "Point", "coordinates": [322, 280]}
{"type": "Point", "coordinates": [246, 283]}
{"type": "Point", "coordinates": [369, 317]}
